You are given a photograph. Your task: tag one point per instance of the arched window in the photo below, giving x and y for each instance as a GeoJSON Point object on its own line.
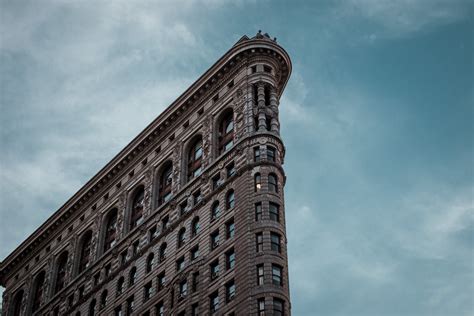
{"type": "Point", "coordinates": [150, 261]}
{"type": "Point", "coordinates": [92, 307]}
{"type": "Point", "coordinates": [229, 200]}
{"type": "Point", "coordinates": [258, 182]}
{"type": "Point", "coordinates": [103, 299]}
{"type": "Point", "coordinates": [132, 276]}
{"type": "Point", "coordinates": [195, 159]}
{"type": "Point", "coordinates": [85, 251]}
{"type": "Point", "coordinates": [138, 204]}
{"type": "Point", "coordinates": [110, 230]}
{"type": "Point", "coordinates": [162, 252]}
{"type": "Point", "coordinates": [181, 237]}
{"type": "Point", "coordinates": [272, 183]}
{"type": "Point", "coordinates": [226, 132]}
{"type": "Point", "coordinates": [195, 227]}
{"type": "Point", "coordinates": [120, 284]}
{"type": "Point", "coordinates": [38, 291]}
{"type": "Point", "coordinates": [215, 210]}
{"type": "Point", "coordinates": [17, 303]}
{"type": "Point", "coordinates": [165, 183]}
{"type": "Point", "coordinates": [61, 267]}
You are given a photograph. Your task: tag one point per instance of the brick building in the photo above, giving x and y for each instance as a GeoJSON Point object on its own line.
{"type": "Point", "coordinates": [188, 219]}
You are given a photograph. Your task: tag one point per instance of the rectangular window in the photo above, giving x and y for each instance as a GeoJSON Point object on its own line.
{"type": "Point", "coordinates": [97, 278]}
{"type": "Point", "coordinates": [195, 253]}
{"type": "Point", "coordinates": [118, 311]}
{"type": "Point", "coordinates": [230, 170]}
{"type": "Point", "coordinates": [259, 241]}
{"type": "Point", "coordinates": [165, 222]}
{"type": "Point", "coordinates": [215, 239]}
{"type": "Point", "coordinates": [153, 233]}
{"type": "Point", "coordinates": [148, 291]}
{"type": "Point", "coordinates": [160, 309]}
{"type": "Point", "coordinates": [278, 307]}
{"type": "Point", "coordinates": [197, 197]}
{"type": "Point", "coordinates": [108, 269]}
{"type": "Point", "coordinates": [183, 289]}
{"type": "Point", "coordinates": [195, 281]}
{"type": "Point", "coordinates": [258, 211]}
{"type": "Point", "coordinates": [216, 181]}
{"type": "Point", "coordinates": [230, 259]}
{"type": "Point", "coordinates": [277, 275]}
{"type": "Point", "coordinates": [256, 154]}
{"type": "Point", "coordinates": [271, 153]}
{"type": "Point", "coordinates": [195, 310]}
{"type": "Point", "coordinates": [183, 207]}
{"type": "Point", "coordinates": [161, 281]}
{"type": "Point", "coordinates": [130, 305]}
{"type": "Point", "coordinates": [230, 229]}
{"type": "Point", "coordinates": [274, 212]}
{"type": "Point", "coordinates": [214, 302]}
{"type": "Point", "coordinates": [135, 248]}
{"type": "Point", "coordinates": [260, 274]}
{"type": "Point", "coordinates": [214, 269]}
{"type": "Point", "coordinates": [275, 240]}
{"type": "Point", "coordinates": [261, 306]}
{"type": "Point", "coordinates": [180, 264]}
{"type": "Point", "coordinates": [230, 291]}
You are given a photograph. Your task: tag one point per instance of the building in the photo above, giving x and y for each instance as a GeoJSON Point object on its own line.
{"type": "Point", "coordinates": [188, 219]}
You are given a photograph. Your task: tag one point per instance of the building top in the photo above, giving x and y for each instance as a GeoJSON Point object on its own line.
{"type": "Point", "coordinates": [187, 102]}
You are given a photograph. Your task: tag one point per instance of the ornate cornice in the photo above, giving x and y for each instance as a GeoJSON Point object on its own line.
{"type": "Point", "coordinates": [199, 91]}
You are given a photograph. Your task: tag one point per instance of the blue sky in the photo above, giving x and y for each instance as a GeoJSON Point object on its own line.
{"type": "Point", "coordinates": [377, 119]}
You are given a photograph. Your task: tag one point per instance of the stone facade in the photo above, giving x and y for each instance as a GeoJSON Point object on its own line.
{"type": "Point", "coordinates": [102, 252]}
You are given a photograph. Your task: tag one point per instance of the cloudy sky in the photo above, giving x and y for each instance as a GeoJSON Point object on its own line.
{"type": "Point", "coordinates": [377, 119]}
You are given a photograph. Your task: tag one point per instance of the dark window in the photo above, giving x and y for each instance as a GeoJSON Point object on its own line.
{"type": "Point", "coordinates": [96, 278]}
{"type": "Point", "coordinates": [230, 84]}
{"type": "Point", "coordinates": [258, 211]}
{"type": "Point", "coordinates": [195, 228]}
{"type": "Point", "coordinates": [162, 252]}
{"type": "Point", "coordinates": [256, 154]}
{"type": "Point", "coordinates": [183, 207]}
{"type": "Point", "coordinates": [130, 305]}
{"type": "Point", "coordinates": [107, 269]}
{"type": "Point", "coordinates": [214, 269]}
{"type": "Point", "coordinates": [150, 261]}
{"type": "Point", "coordinates": [110, 230]}
{"type": "Point", "coordinates": [153, 233]}
{"type": "Point", "coordinates": [272, 183]}
{"type": "Point", "coordinates": [230, 259]}
{"type": "Point", "coordinates": [120, 284]}
{"type": "Point", "coordinates": [278, 307]}
{"type": "Point", "coordinates": [230, 229]}
{"type": "Point", "coordinates": [254, 69]}
{"type": "Point", "coordinates": [38, 291]}
{"type": "Point", "coordinates": [267, 68]}
{"type": "Point", "coordinates": [276, 243]}
{"type": "Point", "coordinates": [230, 199]}
{"type": "Point", "coordinates": [70, 300]}
{"type": "Point", "coordinates": [215, 210]}
{"type": "Point", "coordinates": [132, 276]}
{"type": "Point", "coordinates": [135, 248]}
{"type": "Point", "coordinates": [216, 181]}
{"type": "Point", "coordinates": [160, 309]}
{"type": "Point", "coordinates": [148, 291]}
{"type": "Point", "coordinates": [17, 303]}
{"type": "Point", "coordinates": [103, 299]}
{"type": "Point", "coordinates": [195, 281]}
{"type": "Point", "coordinates": [230, 170]}
{"type": "Point", "coordinates": [214, 302]}
{"type": "Point", "coordinates": [197, 196]}
{"type": "Point", "coordinates": [195, 159]}
{"type": "Point", "coordinates": [161, 280]}
{"type": "Point", "coordinates": [226, 132]}
{"type": "Point", "coordinates": [165, 184]}
{"type": "Point", "coordinates": [195, 310]}
{"type": "Point", "coordinates": [118, 311]}
{"type": "Point", "coordinates": [195, 253]}
{"type": "Point", "coordinates": [230, 290]}
{"type": "Point", "coordinates": [61, 272]}
{"type": "Point", "coordinates": [261, 306]}
{"type": "Point", "coordinates": [123, 257]}
{"type": "Point", "coordinates": [274, 212]}
{"type": "Point", "coordinates": [165, 222]}
{"type": "Point", "coordinates": [260, 274]}
{"type": "Point", "coordinates": [138, 205]}
{"type": "Point", "coordinates": [85, 253]}
{"type": "Point", "coordinates": [277, 275]}
{"type": "Point", "coordinates": [258, 182]}
{"type": "Point", "coordinates": [183, 289]}
{"type": "Point", "coordinates": [259, 240]}
{"type": "Point", "coordinates": [215, 239]}
{"type": "Point", "coordinates": [92, 306]}
{"type": "Point", "coordinates": [181, 237]}
{"type": "Point", "coordinates": [271, 153]}
{"type": "Point", "coordinates": [180, 264]}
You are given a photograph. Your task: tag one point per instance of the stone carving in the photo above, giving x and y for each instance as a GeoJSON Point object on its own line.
{"type": "Point", "coordinates": [206, 141]}
{"type": "Point", "coordinates": [148, 189]}
{"type": "Point", "coordinates": [176, 167]}
{"type": "Point", "coordinates": [121, 213]}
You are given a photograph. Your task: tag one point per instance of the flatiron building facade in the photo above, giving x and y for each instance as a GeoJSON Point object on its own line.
{"type": "Point", "coordinates": [188, 219]}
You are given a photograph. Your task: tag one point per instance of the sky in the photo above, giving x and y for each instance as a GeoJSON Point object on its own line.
{"type": "Point", "coordinates": [377, 120]}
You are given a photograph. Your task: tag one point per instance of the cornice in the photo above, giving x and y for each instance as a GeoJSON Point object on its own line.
{"type": "Point", "coordinates": [193, 96]}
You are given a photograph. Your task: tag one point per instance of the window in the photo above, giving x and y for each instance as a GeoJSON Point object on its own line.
{"type": "Point", "coordinates": [230, 199]}
{"type": "Point", "coordinates": [216, 181]}
{"type": "Point", "coordinates": [138, 204]}
{"type": "Point", "coordinates": [165, 222]}
{"type": "Point", "coordinates": [271, 153]}
{"type": "Point", "coordinates": [195, 253]}
{"type": "Point", "coordinates": [148, 291]}
{"type": "Point", "coordinates": [150, 261]}
{"type": "Point", "coordinates": [165, 184]}
{"type": "Point", "coordinates": [110, 230]}
{"type": "Point", "coordinates": [260, 274]}
{"type": "Point", "coordinates": [181, 237]}
{"type": "Point", "coordinates": [17, 303]}
{"type": "Point", "coordinates": [258, 211]}
{"type": "Point", "coordinates": [272, 183]}
{"type": "Point", "coordinates": [195, 228]}
{"type": "Point", "coordinates": [162, 252]}
{"type": "Point", "coordinates": [256, 154]}
{"type": "Point", "coordinates": [183, 289]}
{"type": "Point", "coordinates": [230, 291]}
{"type": "Point", "coordinates": [120, 284]}
{"type": "Point", "coordinates": [85, 252]}
{"type": "Point", "coordinates": [123, 257]}
{"type": "Point", "coordinates": [180, 264]}
{"type": "Point", "coordinates": [70, 300]}
{"type": "Point", "coordinates": [258, 182]}
{"type": "Point", "coordinates": [160, 309]}
{"type": "Point", "coordinates": [275, 240]}
{"type": "Point", "coordinates": [103, 299]}
{"type": "Point", "coordinates": [261, 306]}
{"type": "Point", "coordinates": [195, 309]}
{"type": "Point", "coordinates": [230, 170]}
{"type": "Point", "coordinates": [195, 281]}
{"type": "Point", "coordinates": [61, 272]}
{"type": "Point", "coordinates": [197, 197]}
{"type": "Point", "coordinates": [214, 302]}
{"type": "Point", "coordinates": [161, 280]}
{"type": "Point", "coordinates": [215, 239]}
{"type": "Point", "coordinates": [152, 233]}
{"type": "Point", "coordinates": [277, 275]}
{"type": "Point", "coordinates": [96, 278]}
{"type": "Point", "coordinates": [215, 210]}
{"type": "Point", "coordinates": [214, 269]}
{"type": "Point", "coordinates": [81, 292]}
{"type": "Point", "coordinates": [38, 291]}
{"type": "Point", "coordinates": [230, 259]}
{"type": "Point", "coordinates": [274, 212]}
{"type": "Point", "coordinates": [135, 248]}
{"type": "Point", "coordinates": [195, 159]}
{"type": "Point", "coordinates": [278, 307]}
{"type": "Point", "coordinates": [226, 132]}
{"type": "Point", "coordinates": [132, 276]}
{"type": "Point", "coordinates": [183, 207]}
{"type": "Point", "coordinates": [92, 305]}
{"type": "Point", "coordinates": [230, 229]}
{"type": "Point", "coordinates": [267, 69]}
{"type": "Point", "coordinates": [118, 311]}
{"type": "Point", "coordinates": [130, 305]}
{"type": "Point", "coordinates": [259, 239]}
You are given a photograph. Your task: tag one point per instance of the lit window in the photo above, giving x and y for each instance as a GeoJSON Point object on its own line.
{"type": "Point", "coordinates": [258, 182]}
